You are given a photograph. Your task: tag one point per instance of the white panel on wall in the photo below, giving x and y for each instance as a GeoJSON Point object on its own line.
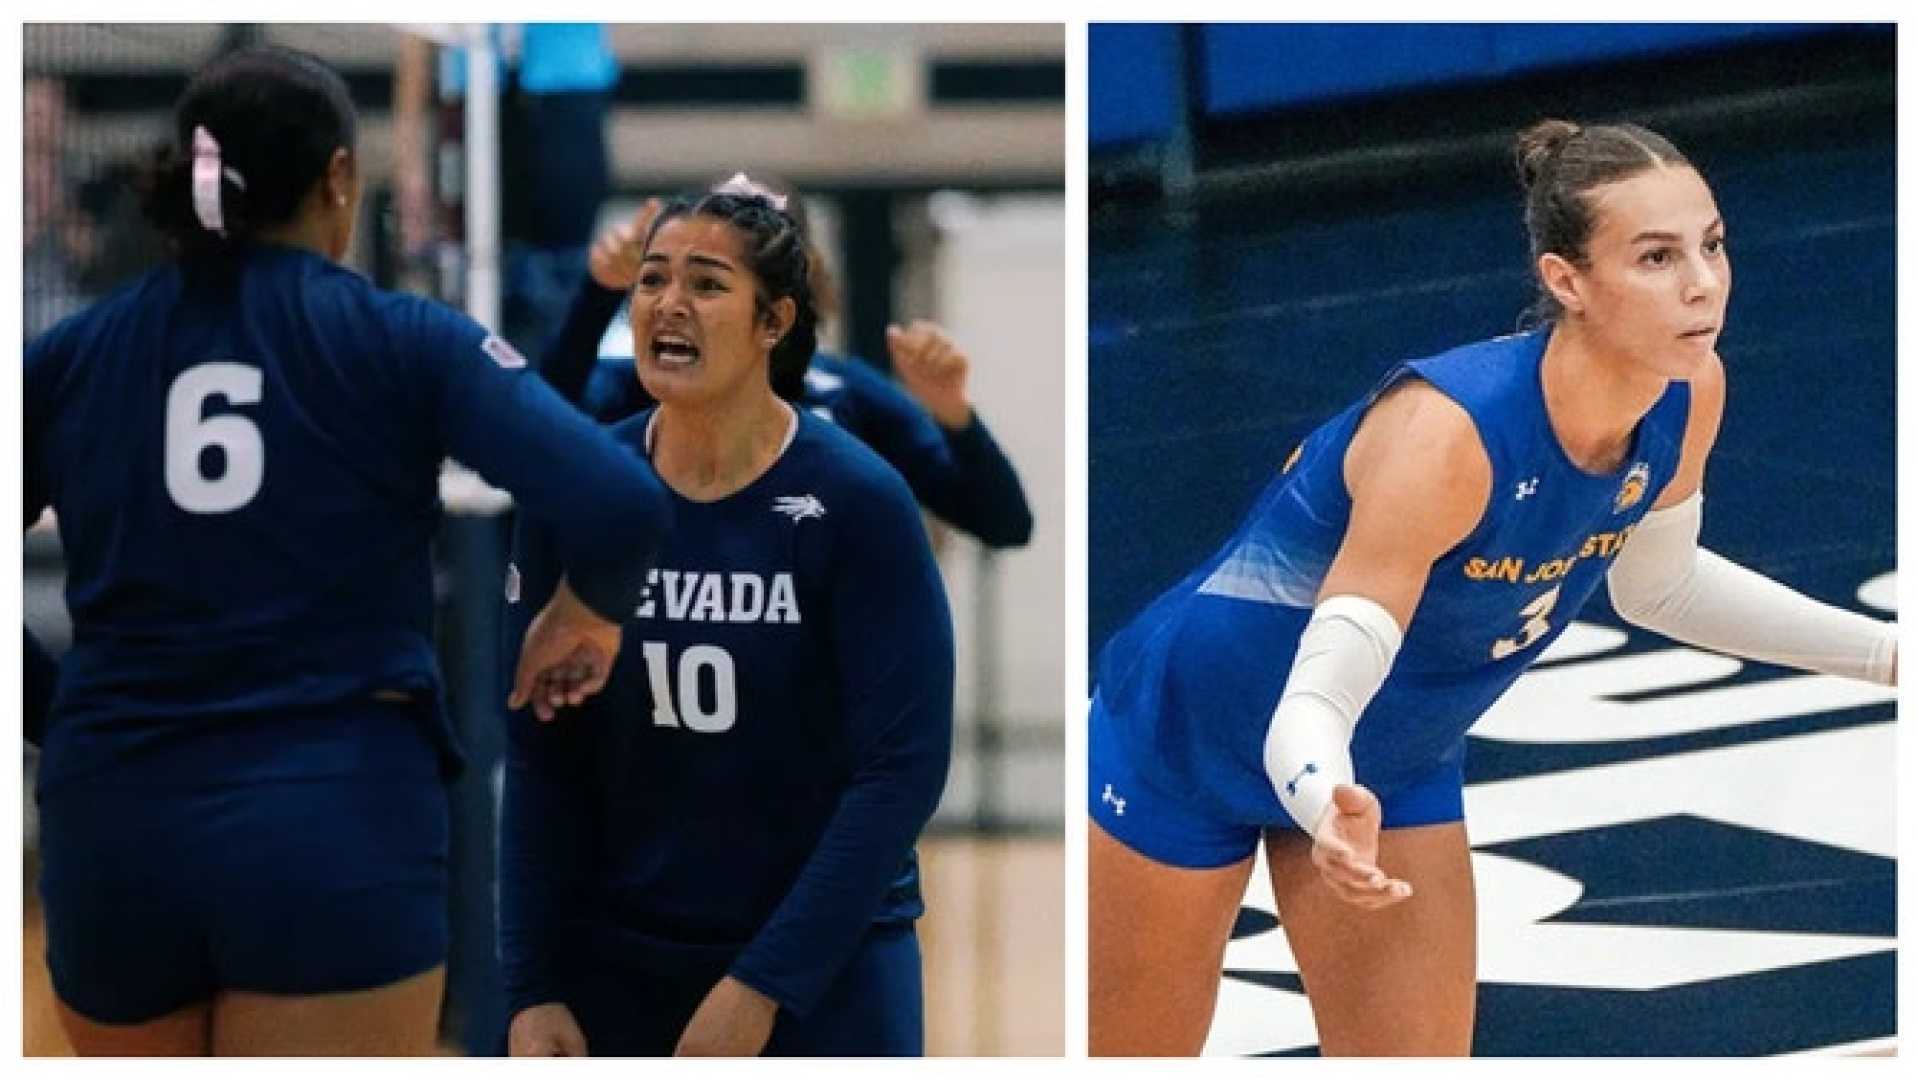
{"type": "Point", "coordinates": [999, 289]}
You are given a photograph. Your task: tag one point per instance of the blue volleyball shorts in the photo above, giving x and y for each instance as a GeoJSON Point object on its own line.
{"type": "Point", "coordinates": [1136, 810]}
{"type": "Point", "coordinates": [161, 890]}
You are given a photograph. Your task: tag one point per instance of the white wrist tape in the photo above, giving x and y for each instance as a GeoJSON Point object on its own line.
{"type": "Point", "coordinates": [1663, 581]}
{"type": "Point", "coordinates": [1344, 654]}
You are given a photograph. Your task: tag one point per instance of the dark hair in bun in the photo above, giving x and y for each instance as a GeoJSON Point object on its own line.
{"type": "Point", "coordinates": [274, 118]}
{"type": "Point", "coordinates": [1559, 163]}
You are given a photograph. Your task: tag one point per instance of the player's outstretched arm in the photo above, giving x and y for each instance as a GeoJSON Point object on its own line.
{"type": "Point", "coordinates": [1419, 479]}
{"type": "Point", "coordinates": [1664, 581]}
{"type": "Point", "coordinates": [607, 509]}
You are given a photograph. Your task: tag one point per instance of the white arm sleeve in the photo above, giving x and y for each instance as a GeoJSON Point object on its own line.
{"type": "Point", "coordinates": [1344, 654]}
{"type": "Point", "coordinates": [1663, 581]}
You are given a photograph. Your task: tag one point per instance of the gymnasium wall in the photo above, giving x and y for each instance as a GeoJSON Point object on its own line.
{"type": "Point", "coordinates": [1137, 88]}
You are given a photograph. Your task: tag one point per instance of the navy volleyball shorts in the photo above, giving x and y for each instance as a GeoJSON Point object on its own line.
{"type": "Point", "coordinates": [162, 889]}
{"type": "Point", "coordinates": [1135, 810]}
{"type": "Point", "coordinates": [874, 1008]}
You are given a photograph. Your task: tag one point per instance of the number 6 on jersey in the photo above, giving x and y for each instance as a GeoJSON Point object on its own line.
{"type": "Point", "coordinates": [189, 432]}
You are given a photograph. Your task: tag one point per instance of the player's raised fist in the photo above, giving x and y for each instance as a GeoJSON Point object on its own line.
{"type": "Point", "coordinates": [933, 370]}
{"type": "Point", "coordinates": [618, 249]}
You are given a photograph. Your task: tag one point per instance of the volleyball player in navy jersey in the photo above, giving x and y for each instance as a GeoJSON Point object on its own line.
{"type": "Point", "coordinates": [715, 856]}
{"type": "Point", "coordinates": [933, 436]}
{"type": "Point", "coordinates": [243, 813]}
{"type": "Point", "coordinates": [1310, 686]}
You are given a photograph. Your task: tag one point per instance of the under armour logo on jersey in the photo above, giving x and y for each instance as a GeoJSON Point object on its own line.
{"type": "Point", "coordinates": [799, 507]}
{"type": "Point", "coordinates": [1118, 804]}
{"type": "Point", "coordinates": [502, 352]}
{"type": "Point", "coordinates": [1292, 785]}
{"type": "Point", "coordinates": [1527, 487]}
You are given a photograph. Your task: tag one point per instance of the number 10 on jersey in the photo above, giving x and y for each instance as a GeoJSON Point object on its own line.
{"type": "Point", "coordinates": [692, 712]}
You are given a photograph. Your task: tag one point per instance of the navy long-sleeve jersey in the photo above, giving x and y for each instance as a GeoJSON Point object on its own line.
{"type": "Point", "coordinates": [244, 461]}
{"type": "Point", "coordinates": [962, 476]}
{"type": "Point", "coordinates": [744, 795]}
{"type": "Point", "coordinates": [39, 673]}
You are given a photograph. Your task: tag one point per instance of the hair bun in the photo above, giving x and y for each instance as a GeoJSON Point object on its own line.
{"type": "Point", "coordinates": [1538, 145]}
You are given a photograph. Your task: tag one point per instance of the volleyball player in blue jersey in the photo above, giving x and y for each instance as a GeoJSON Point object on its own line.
{"type": "Point", "coordinates": [243, 812]}
{"type": "Point", "coordinates": [1312, 683]}
{"type": "Point", "coordinates": [715, 856]}
{"type": "Point", "coordinates": [933, 436]}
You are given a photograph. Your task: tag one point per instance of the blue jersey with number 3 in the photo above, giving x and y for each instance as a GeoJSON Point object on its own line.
{"type": "Point", "coordinates": [244, 462]}
{"type": "Point", "coordinates": [1192, 682]}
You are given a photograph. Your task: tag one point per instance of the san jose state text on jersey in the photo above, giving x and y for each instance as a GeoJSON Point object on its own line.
{"type": "Point", "coordinates": [1192, 681]}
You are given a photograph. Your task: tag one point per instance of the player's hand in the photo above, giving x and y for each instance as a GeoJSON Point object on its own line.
{"type": "Point", "coordinates": [1345, 848]}
{"type": "Point", "coordinates": [932, 369]}
{"type": "Point", "coordinates": [547, 1030]}
{"type": "Point", "coordinates": [615, 258]}
{"type": "Point", "coordinates": [566, 658]}
{"type": "Point", "coordinates": [734, 1021]}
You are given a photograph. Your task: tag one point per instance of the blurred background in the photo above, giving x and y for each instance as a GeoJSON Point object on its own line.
{"type": "Point", "coordinates": [1278, 214]}
{"type": "Point", "coordinates": [931, 159]}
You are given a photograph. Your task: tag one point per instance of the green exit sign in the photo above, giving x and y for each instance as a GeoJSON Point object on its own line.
{"type": "Point", "coordinates": [867, 82]}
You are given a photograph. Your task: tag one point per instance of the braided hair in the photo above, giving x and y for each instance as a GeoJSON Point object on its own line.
{"type": "Point", "coordinates": [778, 255]}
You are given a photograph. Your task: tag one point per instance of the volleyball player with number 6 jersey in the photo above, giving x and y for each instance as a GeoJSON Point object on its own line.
{"type": "Point", "coordinates": [242, 795]}
{"type": "Point", "coordinates": [715, 856]}
{"type": "Point", "coordinates": [1310, 686]}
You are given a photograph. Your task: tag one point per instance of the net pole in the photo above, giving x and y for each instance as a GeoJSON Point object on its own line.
{"type": "Point", "coordinates": [482, 176]}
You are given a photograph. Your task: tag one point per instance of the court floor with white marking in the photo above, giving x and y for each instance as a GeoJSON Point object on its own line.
{"type": "Point", "coordinates": [1621, 900]}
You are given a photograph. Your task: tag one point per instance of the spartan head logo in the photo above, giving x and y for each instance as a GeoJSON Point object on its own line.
{"type": "Point", "coordinates": [1634, 487]}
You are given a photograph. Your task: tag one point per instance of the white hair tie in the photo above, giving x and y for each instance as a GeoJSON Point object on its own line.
{"type": "Point", "coordinates": [741, 184]}
{"type": "Point", "coordinates": [207, 172]}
